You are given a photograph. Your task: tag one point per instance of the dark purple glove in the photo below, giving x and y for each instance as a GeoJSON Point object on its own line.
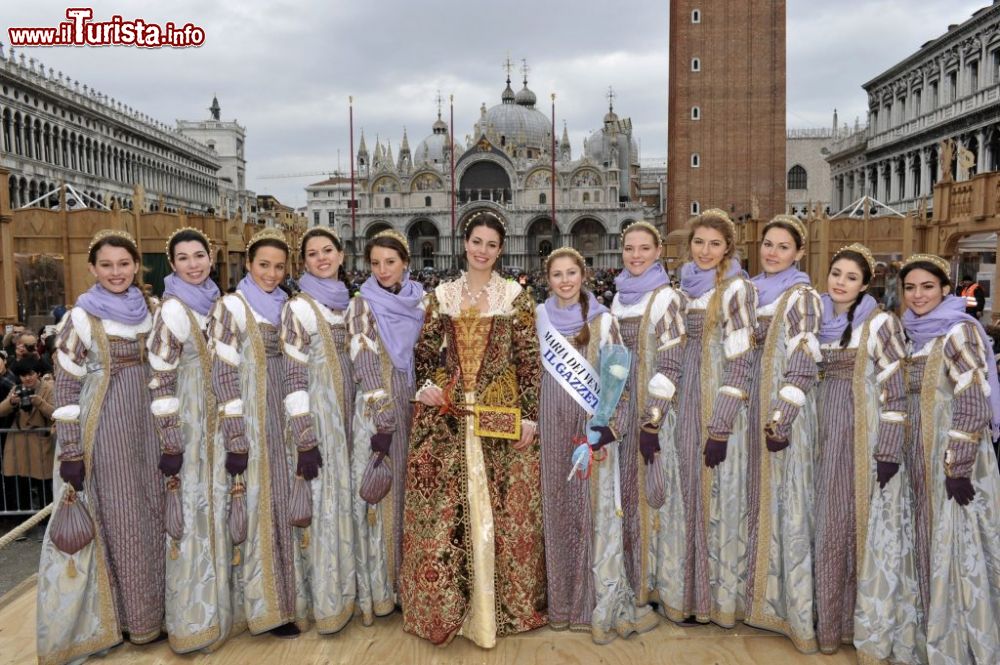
{"type": "Point", "coordinates": [170, 465]}
{"type": "Point", "coordinates": [309, 464]}
{"type": "Point", "coordinates": [959, 489]}
{"type": "Point", "coordinates": [607, 436]}
{"type": "Point", "coordinates": [649, 445]}
{"type": "Point", "coordinates": [884, 471]}
{"type": "Point", "coordinates": [71, 471]}
{"type": "Point", "coordinates": [715, 452]}
{"type": "Point", "coordinates": [775, 445]}
{"type": "Point", "coordinates": [381, 442]}
{"type": "Point", "coordinates": [236, 463]}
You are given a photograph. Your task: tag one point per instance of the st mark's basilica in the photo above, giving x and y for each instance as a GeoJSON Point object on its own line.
{"type": "Point", "coordinates": [506, 165]}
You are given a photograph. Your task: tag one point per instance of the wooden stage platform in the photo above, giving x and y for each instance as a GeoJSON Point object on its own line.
{"type": "Point", "coordinates": [385, 643]}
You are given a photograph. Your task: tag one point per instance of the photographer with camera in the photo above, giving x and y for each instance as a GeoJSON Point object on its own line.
{"type": "Point", "coordinates": [28, 452]}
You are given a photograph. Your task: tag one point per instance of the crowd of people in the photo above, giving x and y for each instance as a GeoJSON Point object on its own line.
{"type": "Point", "coordinates": [26, 405]}
{"type": "Point", "coordinates": [718, 449]}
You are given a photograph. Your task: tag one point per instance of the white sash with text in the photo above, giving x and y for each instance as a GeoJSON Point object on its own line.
{"type": "Point", "coordinates": [570, 369]}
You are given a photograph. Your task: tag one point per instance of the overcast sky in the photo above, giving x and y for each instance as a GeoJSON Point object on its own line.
{"type": "Point", "coordinates": [284, 70]}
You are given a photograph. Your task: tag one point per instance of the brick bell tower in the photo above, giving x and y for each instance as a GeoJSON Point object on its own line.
{"type": "Point", "coordinates": [726, 117]}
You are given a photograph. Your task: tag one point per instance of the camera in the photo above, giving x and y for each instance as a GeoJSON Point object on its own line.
{"type": "Point", "coordinates": [24, 395]}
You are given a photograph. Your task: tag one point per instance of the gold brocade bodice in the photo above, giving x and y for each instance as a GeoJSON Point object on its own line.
{"type": "Point", "coordinates": [471, 335]}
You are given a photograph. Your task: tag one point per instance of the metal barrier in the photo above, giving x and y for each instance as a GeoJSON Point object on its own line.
{"type": "Point", "coordinates": [21, 495]}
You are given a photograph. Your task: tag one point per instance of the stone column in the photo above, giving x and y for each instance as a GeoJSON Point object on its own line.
{"type": "Point", "coordinates": [893, 181]}
{"type": "Point", "coordinates": [981, 163]}
{"type": "Point", "coordinates": [925, 171]}
{"type": "Point", "coordinates": [908, 176]}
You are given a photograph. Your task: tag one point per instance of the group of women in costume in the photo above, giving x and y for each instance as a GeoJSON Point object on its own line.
{"type": "Point", "coordinates": [730, 450]}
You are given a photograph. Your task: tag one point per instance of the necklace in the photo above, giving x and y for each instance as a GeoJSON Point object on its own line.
{"type": "Point", "coordinates": [473, 299]}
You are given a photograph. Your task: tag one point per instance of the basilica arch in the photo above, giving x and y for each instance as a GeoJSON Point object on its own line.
{"type": "Point", "coordinates": [376, 227]}
{"type": "Point", "coordinates": [425, 243]}
{"type": "Point", "coordinates": [587, 237]}
{"type": "Point", "coordinates": [542, 237]}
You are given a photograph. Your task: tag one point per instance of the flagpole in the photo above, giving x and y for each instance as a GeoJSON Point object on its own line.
{"type": "Point", "coordinates": [353, 202]}
{"type": "Point", "coordinates": [451, 151]}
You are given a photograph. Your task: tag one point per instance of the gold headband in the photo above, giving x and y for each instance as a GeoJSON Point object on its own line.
{"type": "Point", "coordinates": [858, 248]}
{"type": "Point", "coordinates": [932, 259]}
{"type": "Point", "coordinates": [267, 234]}
{"type": "Point", "coordinates": [718, 213]}
{"type": "Point", "coordinates": [395, 235]}
{"type": "Point", "coordinates": [108, 233]}
{"type": "Point", "coordinates": [563, 251]}
{"type": "Point", "coordinates": [794, 222]}
{"type": "Point", "coordinates": [474, 215]}
{"type": "Point", "coordinates": [642, 224]}
{"type": "Point", "coordinates": [170, 238]}
{"type": "Point", "coordinates": [318, 231]}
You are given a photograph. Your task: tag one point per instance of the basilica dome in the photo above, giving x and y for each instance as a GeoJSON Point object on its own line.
{"type": "Point", "coordinates": [516, 121]}
{"type": "Point", "coordinates": [598, 145]}
{"type": "Point", "coordinates": [432, 148]}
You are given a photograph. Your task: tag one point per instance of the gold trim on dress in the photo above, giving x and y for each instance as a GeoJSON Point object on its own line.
{"type": "Point", "coordinates": [273, 617]}
{"type": "Point", "coordinates": [756, 616]}
{"type": "Point", "coordinates": [928, 393]}
{"type": "Point", "coordinates": [642, 387]}
{"type": "Point", "coordinates": [862, 452]}
{"type": "Point", "coordinates": [110, 632]}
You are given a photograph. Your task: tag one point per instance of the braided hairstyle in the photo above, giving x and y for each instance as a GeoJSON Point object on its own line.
{"type": "Point", "coordinates": [320, 232]}
{"type": "Point", "coordinates": [866, 278]}
{"type": "Point", "coordinates": [583, 337]}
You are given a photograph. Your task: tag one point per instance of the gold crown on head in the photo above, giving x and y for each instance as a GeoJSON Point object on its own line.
{"type": "Point", "coordinates": [563, 251]}
{"type": "Point", "coordinates": [170, 238]}
{"type": "Point", "coordinates": [107, 233]}
{"type": "Point", "coordinates": [323, 231]}
{"type": "Point", "coordinates": [267, 234]}
{"type": "Point", "coordinates": [642, 224]}
{"type": "Point", "coordinates": [718, 213]}
{"type": "Point", "coordinates": [932, 259]}
{"type": "Point", "coordinates": [858, 248]}
{"type": "Point", "coordinates": [480, 213]}
{"type": "Point", "coordinates": [395, 235]}
{"type": "Point", "coordinates": [794, 222]}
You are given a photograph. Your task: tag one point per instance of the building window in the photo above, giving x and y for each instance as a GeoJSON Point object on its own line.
{"type": "Point", "coordinates": [932, 100]}
{"type": "Point", "coordinates": [696, 16]}
{"type": "Point", "coordinates": [974, 76]}
{"type": "Point", "coordinates": [695, 208]}
{"type": "Point", "coordinates": [597, 197]}
{"type": "Point", "coordinates": [331, 217]}
{"type": "Point", "coordinates": [695, 160]}
{"type": "Point", "coordinates": [386, 202]}
{"type": "Point", "coordinates": [952, 86]}
{"type": "Point", "coordinates": [695, 64]}
{"type": "Point", "coordinates": [695, 113]}
{"type": "Point", "coordinates": [541, 199]}
{"type": "Point", "coordinates": [586, 197]}
{"type": "Point", "coordinates": [797, 178]}
{"type": "Point", "coordinates": [888, 116]}
{"type": "Point", "coordinates": [427, 202]}
{"type": "Point", "coordinates": [916, 103]}
{"type": "Point", "coordinates": [316, 218]}
{"type": "Point", "coordinates": [995, 56]}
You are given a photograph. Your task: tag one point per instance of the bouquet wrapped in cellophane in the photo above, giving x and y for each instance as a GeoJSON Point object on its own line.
{"type": "Point", "coordinates": [614, 366]}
